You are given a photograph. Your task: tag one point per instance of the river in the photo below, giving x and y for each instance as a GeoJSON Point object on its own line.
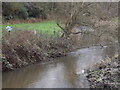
{"type": "Point", "coordinates": [64, 72]}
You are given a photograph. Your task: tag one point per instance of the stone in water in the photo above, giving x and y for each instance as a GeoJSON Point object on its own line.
{"type": "Point", "coordinates": [83, 71]}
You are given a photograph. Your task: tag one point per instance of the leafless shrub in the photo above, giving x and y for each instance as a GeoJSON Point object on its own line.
{"type": "Point", "coordinates": [21, 48]}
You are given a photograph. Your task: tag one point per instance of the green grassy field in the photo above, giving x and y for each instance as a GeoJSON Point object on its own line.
{"type": "Point", "coordinates": [47, 27]}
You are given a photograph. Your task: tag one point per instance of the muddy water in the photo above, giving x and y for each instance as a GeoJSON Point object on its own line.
{"type": "Point", "coordinates": [65, 72]}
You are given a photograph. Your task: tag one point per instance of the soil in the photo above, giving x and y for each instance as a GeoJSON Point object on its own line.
{"type": "Point", "coordinates": [19, 21]}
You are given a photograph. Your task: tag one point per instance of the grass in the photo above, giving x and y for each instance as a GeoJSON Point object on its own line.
{"type": "Point", "coordinates": [47, 27]}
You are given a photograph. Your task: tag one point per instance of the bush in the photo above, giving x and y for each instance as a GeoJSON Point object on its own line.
{"type": "Point", "coordinates": [22, 48]}
{"type": "Point", "coordinates": [22, 13]}
{"type": "Point", "coordinates": [8, 17]}
{"type": "Point", "coordinates": [36, 13]}
{"type": "Point", "coordinates": [43, 15]}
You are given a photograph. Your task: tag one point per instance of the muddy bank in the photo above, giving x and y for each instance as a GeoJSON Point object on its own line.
{"type": "Point", "coordinates": [23, 48]}
{"type": "Point", "coordinates": [105, 74]}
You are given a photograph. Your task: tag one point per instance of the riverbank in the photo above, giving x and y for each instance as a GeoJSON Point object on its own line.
{"type": "Point", "coordinates": [22, 48]}
{"type": "Point", "coordinates": [63, 72]}
{"type": "Point", "coordinates": [105, 74]}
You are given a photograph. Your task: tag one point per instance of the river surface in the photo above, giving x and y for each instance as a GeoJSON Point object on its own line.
{"type": "Point", "coordinates": [64, 72]}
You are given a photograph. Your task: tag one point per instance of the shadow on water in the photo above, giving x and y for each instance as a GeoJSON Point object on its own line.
{"type": "Point", "coordinates": [64, 72]}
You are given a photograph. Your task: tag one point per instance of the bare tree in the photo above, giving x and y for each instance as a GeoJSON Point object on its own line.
{"type": "Point", "coordinates": [99, 16]}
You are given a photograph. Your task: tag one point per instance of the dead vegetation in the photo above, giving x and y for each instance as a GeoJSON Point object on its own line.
{"type": "Point", "coordinates": [22, 48]}
{"type": "Point", "coordinates": [105, 74]}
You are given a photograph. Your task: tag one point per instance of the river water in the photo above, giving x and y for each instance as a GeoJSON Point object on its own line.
{"type": "Point", "coordinates": [64, 72]}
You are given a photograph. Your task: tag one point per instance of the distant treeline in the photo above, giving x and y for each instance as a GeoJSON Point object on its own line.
{"type": "Point", "coordinates": [44, 10]}
{"type": "Point", "coordinates": [22, 10]}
